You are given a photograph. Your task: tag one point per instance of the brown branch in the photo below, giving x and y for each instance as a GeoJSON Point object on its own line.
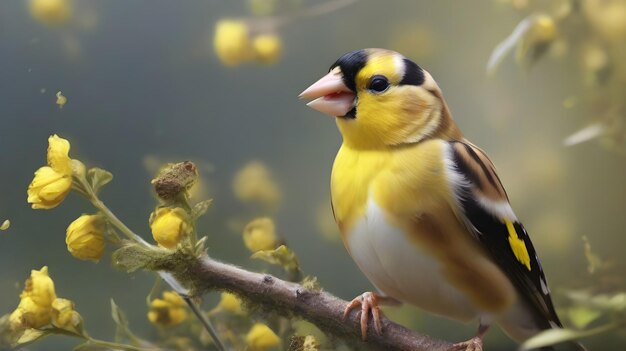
{"type": "Point", "coordinates": [291, 299]}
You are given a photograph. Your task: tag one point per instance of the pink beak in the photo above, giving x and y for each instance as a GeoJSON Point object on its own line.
{"type": "Point", "coordinates": [331, 95]}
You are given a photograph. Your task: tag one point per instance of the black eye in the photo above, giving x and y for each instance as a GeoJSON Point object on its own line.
{"type": "Point", "coordinates": [378, 84]}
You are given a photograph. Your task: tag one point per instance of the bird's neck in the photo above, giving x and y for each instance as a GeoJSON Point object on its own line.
{"type": "Point", "coordinates": [447, 128]}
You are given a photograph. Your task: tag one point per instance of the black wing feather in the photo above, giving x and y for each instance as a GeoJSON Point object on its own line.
{"type": "Point", "coordinates": [492, 232]}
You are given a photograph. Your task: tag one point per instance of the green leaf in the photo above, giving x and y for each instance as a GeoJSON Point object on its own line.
{"type": "Point", "coordinates": [133, 256]}
{"type": "Point", "coordinates": [582, 316]}
{"type": "Point", "coordinates": [615, 303]}
{"type": "Point", "coordinates": [30, 336]}
{"type": "Point", "coordinates": [504, 48]}
{"type": "Point", "coordinates": [200, 208]}
{"type": "Point", "coordinates": [282, 256]}
{"type": "Point", "coordinates": [200, 246]}
{"type": "Point", "coordinates": [555, 336]}
{"type": "Point", "coordinates": [119, 317]}
{"type": "Point", "coordinates": [98, 178]}
{"type": "Point", "coordinates": [551, 337]}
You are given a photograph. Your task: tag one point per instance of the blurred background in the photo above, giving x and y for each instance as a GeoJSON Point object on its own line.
{"type": "Point", "coordinates": [146, 83]}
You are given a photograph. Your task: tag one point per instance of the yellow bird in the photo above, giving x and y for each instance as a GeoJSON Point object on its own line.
{"type": "Point", "coordinates": [421, 209]}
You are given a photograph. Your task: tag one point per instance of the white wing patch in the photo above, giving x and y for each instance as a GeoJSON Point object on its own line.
{"type": "Point", "coordinates": [501, 209]}
{"type": "Point", "coordinates": [459, 186]}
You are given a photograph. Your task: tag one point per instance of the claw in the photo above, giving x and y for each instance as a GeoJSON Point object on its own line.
{"type": "Point", "coordinates": [368, 302]}
{"type": "Point", "coordinates": [473, 344]}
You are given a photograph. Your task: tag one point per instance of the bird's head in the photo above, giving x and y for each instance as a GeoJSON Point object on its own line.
{"type": "Point", "coordinates": [380, 99]}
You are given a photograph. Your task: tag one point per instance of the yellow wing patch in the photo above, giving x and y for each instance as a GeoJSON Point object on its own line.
{"type": "Point", "coordinates": [517, 245]}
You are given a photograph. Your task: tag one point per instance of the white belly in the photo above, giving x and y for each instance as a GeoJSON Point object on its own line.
{"type": "Point", "coordinates": [398, 268]}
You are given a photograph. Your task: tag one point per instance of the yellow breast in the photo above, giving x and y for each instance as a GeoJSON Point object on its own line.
{"type": "Point", "coordinates": [410, 187]}
{"type": "Point", "coordinates": [389, 176]}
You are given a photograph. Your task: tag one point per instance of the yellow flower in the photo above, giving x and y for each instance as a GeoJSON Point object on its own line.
{"type": "Point", "coordinates": [254, 183]}
{"type": "Point", "coordinates": [52, 183]}
{"type": "Point", "coordinates": [35, 307]}
{"type": "Point", "coordinates": [85, 239]}
{"type": "Point", "coordinates": [169, 311]}
{"type": "Point", "coordinates": [64, 315]}
{"type": "Point", "coordinates": [230, 303]}
{"type": "Point", "coordinates": [231, 42]}
{"type": "Point", "coordinates": [50, 12]}
{"type": "Point", "coordinates": [169, 225]}
{"type": "Point", "coordinates": [607, 18]}
{"type": "Point", "coordinates": [260, 234]}
{"type": "Point", "coordinates": [267, 48]}
{"type": "Point", "coordinates": [261, 337]}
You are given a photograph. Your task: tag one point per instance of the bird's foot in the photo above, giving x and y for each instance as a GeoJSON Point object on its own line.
{"type": "Point", "coordinates": [368, 301]}
{"type": "Point", "coordinates": [473, 344]}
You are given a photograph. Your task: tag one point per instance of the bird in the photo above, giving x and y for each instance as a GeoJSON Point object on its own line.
{"type": "Point", "coordinates": [420, 208]}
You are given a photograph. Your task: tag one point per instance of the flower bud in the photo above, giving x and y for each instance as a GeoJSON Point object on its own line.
{"type": "Point", "coordinates": [230, 303]}
{"type": "Point", "coordinates": [169, 311]}
{"type": "Point", "coordinates": [267, 48]}
{"type": "Point", "coordinates": [169, 225]}
{"type": "Point", "coordinates": [261, 337]}
{"type": "Point", "coordinates": [260, 234]}
{"type": "Point", "coordinates": [51, 12]}
{"type": "Point", "coordinates": [231, 42]}
{"type": "Point", "coordinates": [254, 183]}
{"type": "Point", "coordinates": [174, 179]}
{"type": "Point", "coordinates": [85, 238]}
{"type": "Point", "coordinates": [607, 18]}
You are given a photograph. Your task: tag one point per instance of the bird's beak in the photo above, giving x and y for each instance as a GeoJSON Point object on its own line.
{"type": "Point", "coordinates": [331, 95]}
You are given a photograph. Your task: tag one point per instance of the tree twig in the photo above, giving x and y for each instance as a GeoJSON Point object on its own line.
{"type": "Point", "coordinates": [291, 299]}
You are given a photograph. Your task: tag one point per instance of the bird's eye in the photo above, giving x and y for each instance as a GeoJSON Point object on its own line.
{"type": "Point", "coordinates": [378, 84]}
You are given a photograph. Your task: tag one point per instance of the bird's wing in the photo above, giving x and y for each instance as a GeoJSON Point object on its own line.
{"type": "Point", "coordinates": [483, 205]}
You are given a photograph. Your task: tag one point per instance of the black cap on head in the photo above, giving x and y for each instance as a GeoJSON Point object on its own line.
{"type": "Point", "coordinates": [350, 64]}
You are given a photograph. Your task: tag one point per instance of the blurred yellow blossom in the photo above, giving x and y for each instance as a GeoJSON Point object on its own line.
{"type": "Point", "coordinates": [267, 48]}
{"type": "Point", "coordinates": [254, 183]}
{"type": "Point", "coordinates": [542, 31]}
{"type": "Point", "coordinates": [230, 303]}
{"type": "Point", "coordinates": [51, 12]}
{"type": "Point", "coordinates": [544, 28]}
{"type": "Point", "coordinates": [232, 42]}
{"type": "Point", "coordinates": [64, 316]}
{"type": "Point", "coordinates": [52, 183]}
{"type": "Point", "coordinates": [61, 99]}
{"type": "Point", "coordinates": [35, 307]}
{"type": "Point", "coordinates": [169, 225]}
{"type": "Point", "coordinates": [260, 234]}
{"type": "Point", "coordinates": [169, 311]}
{"type": "Point", "coordinates": [607, 18]}
{"type": "Point", "coordinates": [85, 238]}
{"type": "Point", "coordinates": [314, 336]}
{"type": "Point", "coordinates": [5, 225]}
{"type": "Point", "coordinates": [261, 338]}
